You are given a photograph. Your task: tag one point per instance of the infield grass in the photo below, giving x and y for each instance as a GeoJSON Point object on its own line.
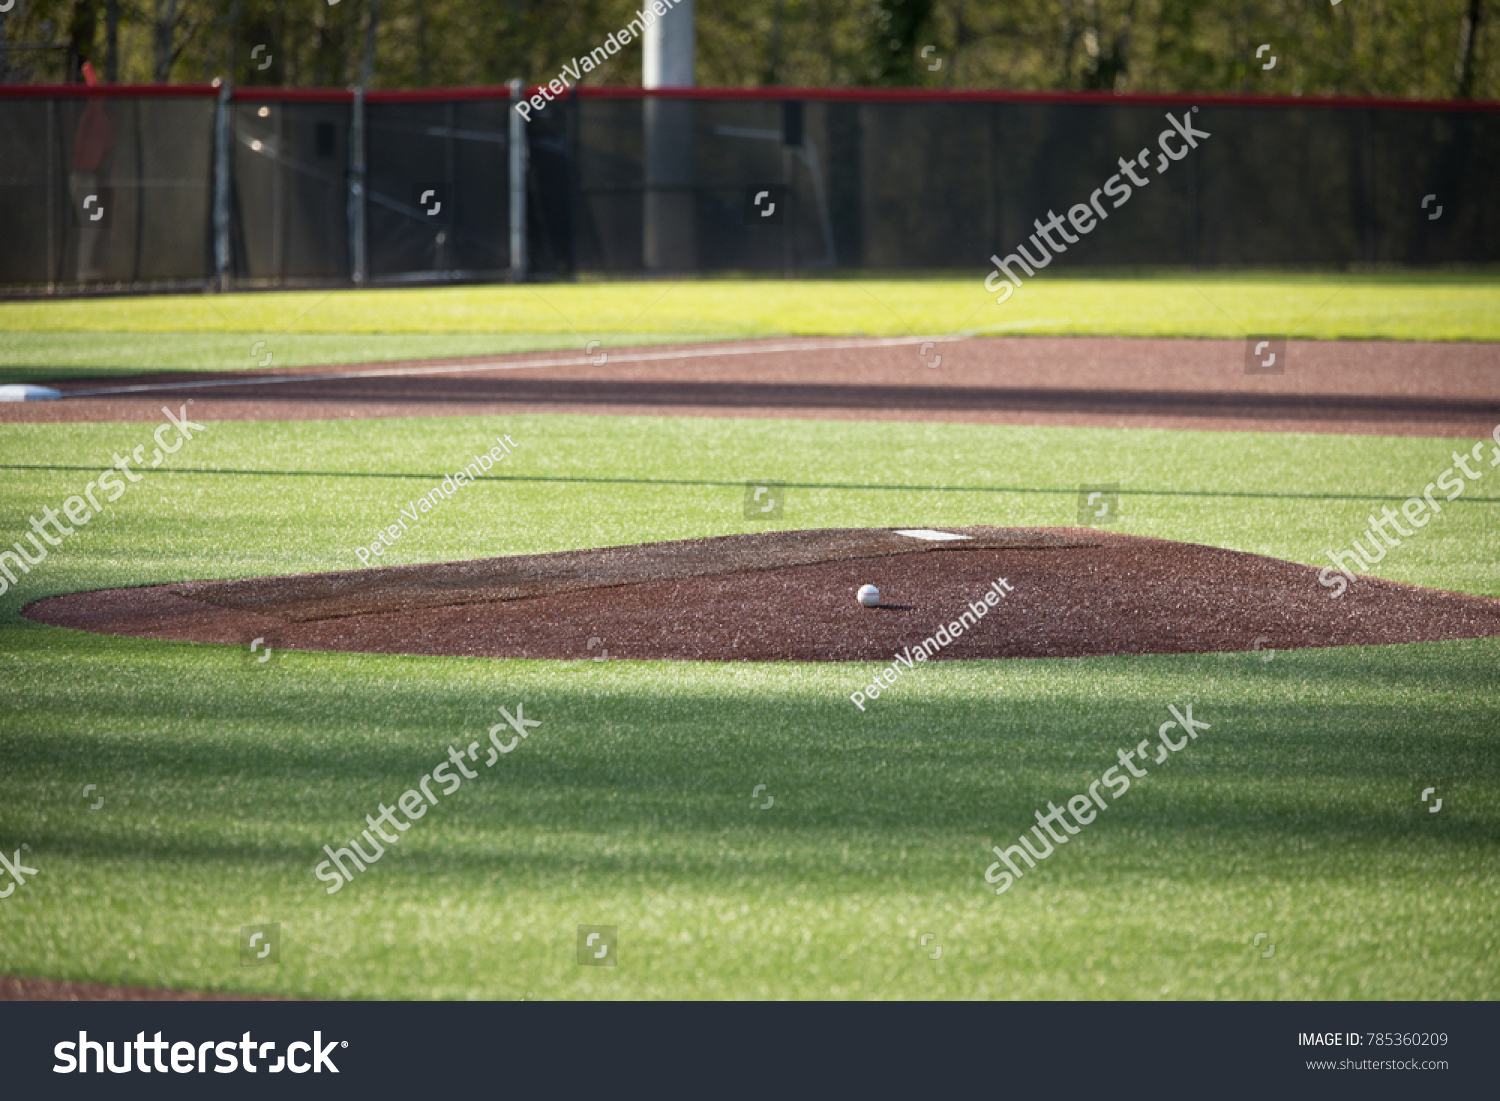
{"type": "Point", "coordinates": [1295, 815]}
{"type": "Point", "coordinates": [60, 339]}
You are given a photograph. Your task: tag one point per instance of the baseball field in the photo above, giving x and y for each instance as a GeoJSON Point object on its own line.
{"type": "Point", "coordinates": [745, 829]}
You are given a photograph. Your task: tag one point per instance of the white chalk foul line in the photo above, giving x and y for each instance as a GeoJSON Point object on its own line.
{"type": "Point", "coordinates": [464, 369]}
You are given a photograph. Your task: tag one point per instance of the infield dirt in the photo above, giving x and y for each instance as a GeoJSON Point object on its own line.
{"type": "Point", "coordinates": [1339, 386]}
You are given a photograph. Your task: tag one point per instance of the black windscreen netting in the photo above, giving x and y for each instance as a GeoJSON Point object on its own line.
{"type": "Point", "coordinates": [439, 190]}
{"type": "Point", "coordinates": [947, 184]}
{"type": "Point", "coordinates": [289, 163]}
{"type": "Point", "coordinates": [106, 190]}
{"type": "Point", "coordinates": [622, 184]}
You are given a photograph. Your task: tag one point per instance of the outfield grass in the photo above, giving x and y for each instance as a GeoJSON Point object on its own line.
{"type": "Point", "coordinates": [42, 340]}
{"type": "Point", "coordinates": [631, 805]}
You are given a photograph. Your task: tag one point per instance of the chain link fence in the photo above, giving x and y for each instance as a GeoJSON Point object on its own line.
{"type": "Point", "coordinates": [163, 188]}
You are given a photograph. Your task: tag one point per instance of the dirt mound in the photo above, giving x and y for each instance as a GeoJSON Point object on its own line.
{"type": "Point", "coordinates": [789, 596]}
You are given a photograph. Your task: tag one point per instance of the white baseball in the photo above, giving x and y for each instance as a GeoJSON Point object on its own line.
{"type": "Point", "coordinates": [869, 595]}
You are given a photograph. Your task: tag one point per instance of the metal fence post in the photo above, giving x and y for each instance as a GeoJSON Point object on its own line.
{"type": "Point", "coordinates": [575, 180]}
{"type": "Point", "coordinates": [1372, 212]}
{"type": "Point", "coordinates": [357, 258]}
{"type": "Point", "coordinates": [517, 184]}
{"type": "Point", "coordinates": [52, 264]}
{"type": "Point", "coordinates": [221, 187]}
{"type": "Point", "coordinates": [669, 237]}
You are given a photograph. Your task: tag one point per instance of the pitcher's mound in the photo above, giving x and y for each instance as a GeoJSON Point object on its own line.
{"type": "Point", "coordinates": [789, 596]}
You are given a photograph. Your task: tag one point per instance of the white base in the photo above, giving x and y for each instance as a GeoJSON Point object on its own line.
{"type": "Point", "coordinates": [27, 392]}
{"type": "Point", "coordinates": [930, 535]}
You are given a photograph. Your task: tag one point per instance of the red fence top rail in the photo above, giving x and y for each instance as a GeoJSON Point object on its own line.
{"type": "Point", "coordinates": [117, 91]}
{"type": "Point", "coordinates": [1002, 95]}
{"type": "Point", "coordinates": [419, 95]}
{"type": "Point", "coordinates": [254, 93]}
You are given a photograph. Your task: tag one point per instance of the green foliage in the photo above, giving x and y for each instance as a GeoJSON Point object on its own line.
{"type": "Point", "coordinates": [1404, 48]}
{"type": "Point", "coordinates": [895, 33]}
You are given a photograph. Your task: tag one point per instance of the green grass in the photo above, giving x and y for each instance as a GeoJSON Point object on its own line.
{"type": "Point", "coordinates": [42, 340]}
{"type": "Point", "coordinates": [631, 805]}
{"type": "Point", "coordinates": [51, 356]}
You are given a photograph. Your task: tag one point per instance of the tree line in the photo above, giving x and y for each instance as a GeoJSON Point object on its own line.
{"type": "Point", "coordinates": [1428, 49]}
